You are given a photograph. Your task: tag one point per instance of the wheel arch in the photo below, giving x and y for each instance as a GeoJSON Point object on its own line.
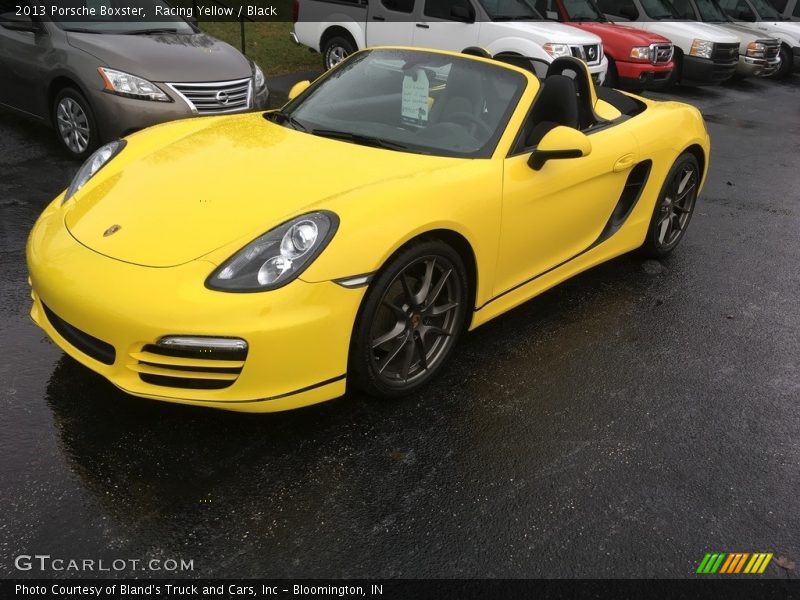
{"type": "Point", "coordinates": [334, 31]}
{"type": "Point", "coordinates": [697, 151]}
{"type": "Point", "coordinates": [58, 83]}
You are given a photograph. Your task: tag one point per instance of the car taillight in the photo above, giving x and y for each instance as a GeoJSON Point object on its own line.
{"type": "Point", "coordinates": [295, 10]}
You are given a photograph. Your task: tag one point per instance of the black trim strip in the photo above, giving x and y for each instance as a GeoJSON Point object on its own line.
{"type": "Point", "coordinates": [89, 345]}
{"type": "Point", "coordinates": [279, 396]}
{"type": "Point", "coordinates": [611, 227]}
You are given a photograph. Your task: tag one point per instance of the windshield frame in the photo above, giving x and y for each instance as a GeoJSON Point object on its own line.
{"type": "Point", "coordinates": [487, 151]}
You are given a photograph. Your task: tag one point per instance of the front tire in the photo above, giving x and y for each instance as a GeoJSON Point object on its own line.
{"type": "Point", "coordinates": [787, 63]}
{"type": "Point", "coordinates": [674, 207]}
{"type": "Point", "coordinates": [336, 50]}
{"type": "Point", "coordinates": [75, 124]}
{"type": "Point", "coordinates": [411, 319]}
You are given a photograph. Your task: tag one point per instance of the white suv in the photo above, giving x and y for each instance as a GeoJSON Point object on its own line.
{"type": "Point", "coordinates": [337, 28]}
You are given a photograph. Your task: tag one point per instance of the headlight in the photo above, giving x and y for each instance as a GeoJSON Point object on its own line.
{"type": "Point", "coordinates": [258, 77]}
{"type": "Point", "coordinates": [702, 48]}
{"type": "Point", "coordinates": [640, 53]}
{"type": "Point", "coordinates": [556, 50]}
{"type": "Point", "coordinates": [92, 165]}
{"type": "Point", "coordinates": [277, 257]}
{"type": "Point", "coordinates": [131, 86]}
{"type": "Point", "coordinates": [756, 50]}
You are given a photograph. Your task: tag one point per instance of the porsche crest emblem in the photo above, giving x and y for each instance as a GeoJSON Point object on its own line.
{"type": "Point", "coordinates": [111, 230]}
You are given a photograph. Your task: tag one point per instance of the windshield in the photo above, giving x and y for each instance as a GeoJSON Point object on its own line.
{"type": "Point", "coordinates": [582, 10]}
{"type": "Point", "coordinates": [511, 10]}
{"type": "Point", "coordinates": [766, 11]}
{"type": "Point", "coordinates": [116, 16]}
{"type": "Point", "coordinates": [658, 9]}
{"type": "Point", "coordinates": [412, 101]}
{"type": "Point", "coordinates": [710, 11]}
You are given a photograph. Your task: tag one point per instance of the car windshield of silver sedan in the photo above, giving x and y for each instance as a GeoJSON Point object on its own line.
{"type": "Point", "coordinates": [86, 16]}
{"type": "Point", "coordinates": [411, 101]}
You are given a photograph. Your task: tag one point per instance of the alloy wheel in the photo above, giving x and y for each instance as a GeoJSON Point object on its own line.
{"type": "Point", "coordinates": [417, 321]}
{"type": "Point", "coordinates": [676, 208]}
{"type": "Point", "coordinates": [73, 125]}
{"type": "Point", "coordinates": [336, 55]}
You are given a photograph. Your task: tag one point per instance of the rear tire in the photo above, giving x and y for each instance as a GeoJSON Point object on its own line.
{"type": "Point", "coordinates": [412, 317]}
{"type": "Point", "coordinates": [674, 207]}
{"type": "Point", "coordinates": [75, 125]}
{"type": "Point", "coordinates": [336, 50]}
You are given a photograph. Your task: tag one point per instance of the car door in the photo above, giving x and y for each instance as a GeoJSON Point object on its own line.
{"type": "Point", "coordinates": [443, 26]}
{"type": "Point", "coordinates": [555, 214]}
{"type": "Point", "coordinates": [22, 62]}
{"type": "Point", "coordinates": [391, 22]}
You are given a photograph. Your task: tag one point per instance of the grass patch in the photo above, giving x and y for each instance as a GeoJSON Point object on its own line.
{"type": "Point", "coordinates": [269, 45]}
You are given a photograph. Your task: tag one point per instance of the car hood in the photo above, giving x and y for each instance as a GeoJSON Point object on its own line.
{"type": "Point", "coordinates": [166, 57]}
{"type": "Point", "coordinates": [745, 34]}
{"type": "Point", "coordinates": [634, 37]}
{"type": "Point", "coordinates": [548, 31]}
{"type": "Point", "coordinates": [788, 28]}
{"type": "Point", "coordinates": [684, 29]}
{"type": "Point", "coordinates": [230, 181]}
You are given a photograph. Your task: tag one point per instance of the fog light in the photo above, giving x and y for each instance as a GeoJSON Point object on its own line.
{"type": "Point", "coordinates": [221, 344]}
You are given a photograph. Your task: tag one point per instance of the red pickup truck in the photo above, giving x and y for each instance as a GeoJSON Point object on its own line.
{"type": "Point", "coordinates": [636, 59]}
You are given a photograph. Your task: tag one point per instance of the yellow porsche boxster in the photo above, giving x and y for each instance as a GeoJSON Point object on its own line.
{"type": "Point", "coordinates": [264, 262]}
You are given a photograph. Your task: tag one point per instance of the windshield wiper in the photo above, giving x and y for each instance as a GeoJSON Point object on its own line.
{"type": "Point", "coordinates": [365, 140]}
{"type": "Point", "coordinates": [81, 30]}
{"type": "Point", "coordinates": [149, 31]}
{"type": "Point", "coordinates": [287, 118]}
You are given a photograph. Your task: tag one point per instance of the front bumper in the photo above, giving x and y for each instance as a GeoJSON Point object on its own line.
{"type": "Point", "coordinates": [756, 67]}
{"type": "Point", "coordinates": [298, 336]}
{"type": "Point", "coordinates": [704, 71]}
{"type": "Point", "coordinates": [117, 116]}
{"type": "Point", "coordinates": [639, 76]}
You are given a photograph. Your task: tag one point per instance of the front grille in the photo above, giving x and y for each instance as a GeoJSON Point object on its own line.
{"type": "Point", "coordinates": [97, 349]}
{"type": "Point", "coordinates": [591, 54]}
{"type": "Point", "coordinates": [725, 53]}
{"type": "Point", "coordinates": [773, 49]}
{"type": "Point", "coordinates": [215, 98]}
{"type": "Point", "coordinates": [197, 369]}
{"type": "Point", "coordinates": [661, 53]}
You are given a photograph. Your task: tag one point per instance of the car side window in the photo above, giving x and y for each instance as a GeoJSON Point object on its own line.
{"type": "Point", "coordinates": [402, 6]}
{"type": "Point", "coordinates": [796, 12]}
{"type": "Point", "coordinates": [780, 5]}
{"type": "Point", "coordinates": [736, 9]}
{"type": "Point", "coordinates": [443, 9]}
{"type": "Point", "coordinates": [683, 8]}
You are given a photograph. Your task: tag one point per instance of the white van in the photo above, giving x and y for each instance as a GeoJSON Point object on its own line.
{"type": "Point", "coordinates": [337, 28]}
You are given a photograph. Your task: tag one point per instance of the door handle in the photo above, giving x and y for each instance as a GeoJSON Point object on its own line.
{"type": "Point", "coordinates": [378, 18]}
{"type": "Point", "coordinates": [423, 26]}
{"type": "Point", "coordinates": [623, 163]}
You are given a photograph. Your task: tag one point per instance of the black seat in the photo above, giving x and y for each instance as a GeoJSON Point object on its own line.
{"type": "Point", "coordinates": [463, 94]}
{"type": "Point", "coordinates": [577, 71]}
{"type": "Point", "coordinates": [556, 104]}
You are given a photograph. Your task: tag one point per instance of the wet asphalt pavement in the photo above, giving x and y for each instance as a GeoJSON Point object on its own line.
{"type": "Point", "coordinates": [621, 425]}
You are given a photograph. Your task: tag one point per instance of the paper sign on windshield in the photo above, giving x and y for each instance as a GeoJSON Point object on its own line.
{"type": "Point", "coordinates": [414, 106]}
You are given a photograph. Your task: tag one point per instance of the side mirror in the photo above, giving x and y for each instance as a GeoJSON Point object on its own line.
{"type": "Point", "coordinates": [298, 88]}
{"type": "Point", "coordinates": [560, 142]}
{"type": "Point", "coordinates": [463, 12]}
{"type": "Point", "coordinates": [19, 23]}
